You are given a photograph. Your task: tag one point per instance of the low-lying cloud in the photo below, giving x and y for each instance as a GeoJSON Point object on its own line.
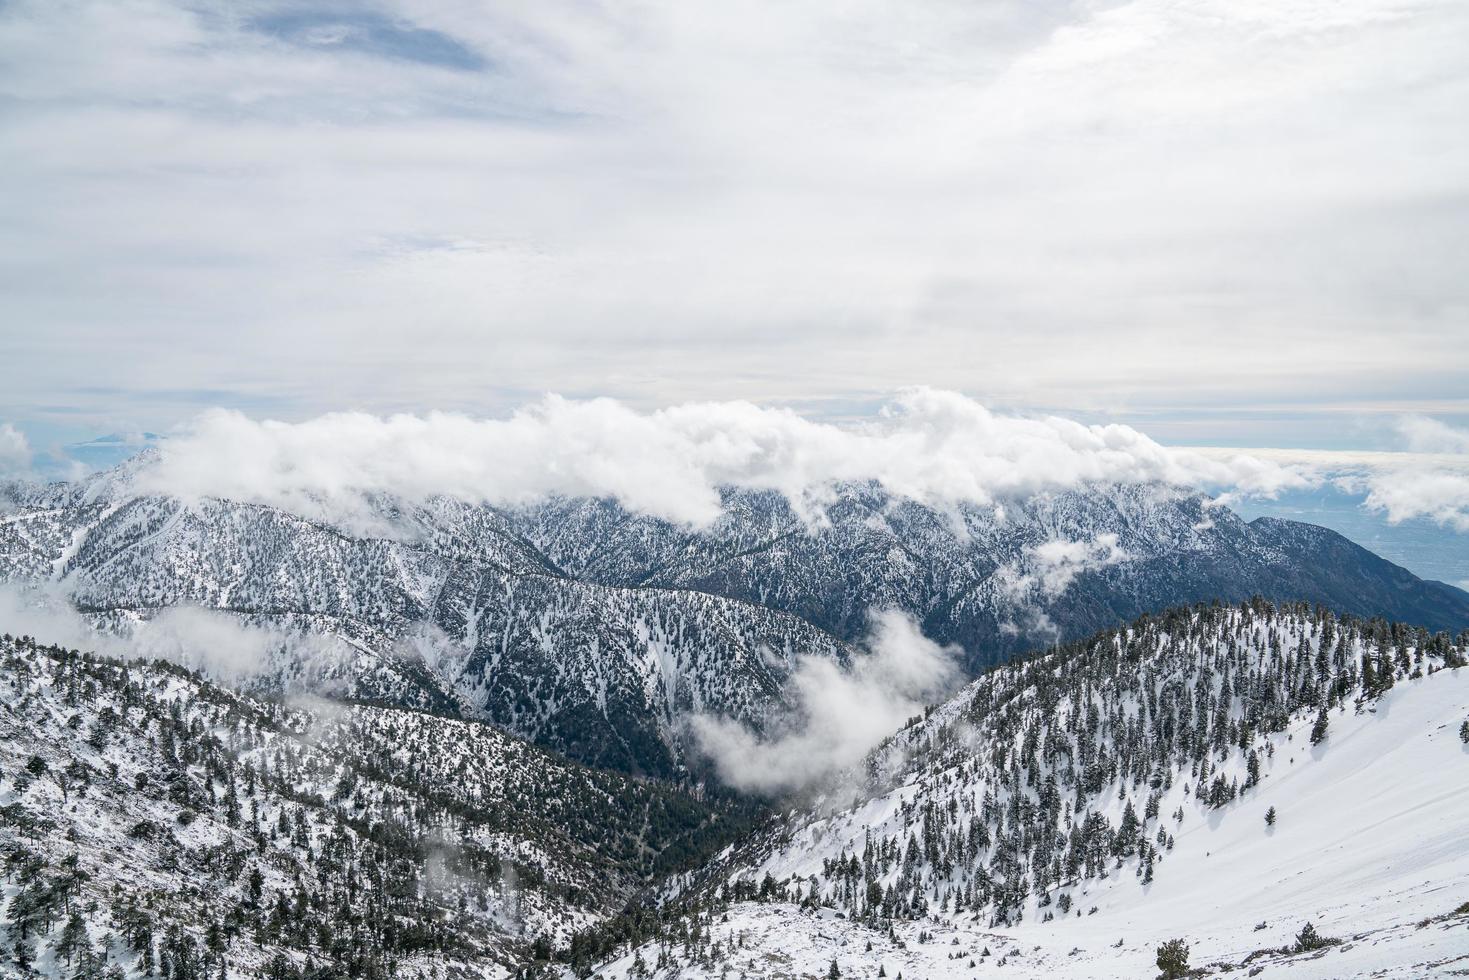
{"type": "Point", "coordinates": [1441, 497]}
{"type": "Point", "coordinates": [214, 643]}
{"type": "Point", "coordinates": [1049, 568]}
{"type": "Point", "coordinates": [1438, 490]}
{"type": "Point", "coordinates": [838, 713]}
{"type": "Point", "coordinates": [936, 447]}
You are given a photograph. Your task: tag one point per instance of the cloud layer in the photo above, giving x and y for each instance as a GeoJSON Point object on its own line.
{"type": "Point", "coordinates": [933, 446]}
{"type": "Point", "coordinates": [15, 452]}
{"type": "Point", "coordinates": [291, 207]}
{"type": "Point", "coordinates": [838, 714]}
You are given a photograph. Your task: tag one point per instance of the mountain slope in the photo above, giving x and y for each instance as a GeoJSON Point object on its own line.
{"type": "Point", "coordinates": [1074, 811]}
{"type": "Point", "coordinates": [454, 619]}
{"type": "Point", "coordinates": [210, 829]}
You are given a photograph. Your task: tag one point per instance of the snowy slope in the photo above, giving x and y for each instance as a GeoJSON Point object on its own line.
{"type": "Point", "coordinates": [224, 831]}
{"type": "Point", "coordinates": [454, 614]}
{"type": "Point", "coordinates": [1368, 840]}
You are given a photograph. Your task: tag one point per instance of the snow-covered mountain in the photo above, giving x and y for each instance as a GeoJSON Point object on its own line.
{"type": "Point", "coordinates": [156, 822]}
{"type": "Point", "coordinates": [1223, 776]}
{"type": "Point", "coordinates": [454, 613]}
{"type": "Point", "coordinates": [597, 632]}
{"type": "Point", "coordinates": [994, 580]}
{"type": "Point", "coordinates": [1220, 775]}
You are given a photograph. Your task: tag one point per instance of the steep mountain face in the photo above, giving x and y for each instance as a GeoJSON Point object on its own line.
{"type": "Point", "coordinates": [598, 632]}
{"type": "Point", "coordinates": [1221, 775]}
{"type": "Point", "coordinates": [152, 820]}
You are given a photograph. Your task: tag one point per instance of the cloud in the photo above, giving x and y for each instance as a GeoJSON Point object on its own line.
{"type": "Point", "coordinates": [1047, 570]}
{"type": "Point", "coordinates": [1440, 497]}
{"type": "Point", "coordinates": [1095, 206]}
{"type": "Point", "coordinates": [1436, 489]}
{"type": "Point", "coordinates": [838, 714]}
{"type": "Point", "coordinates": [1426, 435]}
{"type": "Point", "coordinates": [214, 643]}
{"type": "Point", "coordinates": [932, 446]}
{"type": "Point", "coordinates": [15, 452]}
{"type": "Point", "coordinates": [211, 642]}
{"type": "Point", "coordinates": [1427, 479]}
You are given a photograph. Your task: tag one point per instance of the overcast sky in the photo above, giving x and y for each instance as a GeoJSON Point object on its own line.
{"type": "Point", "coordinates": [1225, 222]}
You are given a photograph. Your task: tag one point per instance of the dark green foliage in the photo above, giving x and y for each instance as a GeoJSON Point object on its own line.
{"type": "Point", "coordinates": [1029, 747]}
{"type": "Point", "coordinates": [1318, 730]}
{"type": "Point", "coordinates": [1173, 959]}
{"type": "Point", "coordinates": [1309, 940]}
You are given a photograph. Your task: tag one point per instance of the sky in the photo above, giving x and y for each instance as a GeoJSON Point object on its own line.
{"type": "Point", "coordinates": [1226, 223]}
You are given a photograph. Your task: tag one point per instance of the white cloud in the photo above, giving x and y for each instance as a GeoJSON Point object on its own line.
{"type": "Point", "coordinates": [1437, 491]}
{"type": "Point", "coordinates": [1426, 435]}
{"type": "Point", "coordinates": [15, 452]}
{"type": "Point", "coordinates": [1048, 569]}
{"type": "Point", "coordinates": [1429, 479]}
{"type": "Point", "coordinates": [932, 446]}
{"type": "Point", "coordinates": [214, 643]}
{"type": "Point", "coordinates": [1100, 206]}
{"type": "Point", "coordinates": [211, 642]}
{"type": "Point", "coordinates": [1441, 497]}
{"type": "Point", "coordinates": [838, 713]}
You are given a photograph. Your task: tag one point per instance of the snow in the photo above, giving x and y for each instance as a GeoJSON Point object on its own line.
{"type": "Point", "coordinates": [1369, 843]}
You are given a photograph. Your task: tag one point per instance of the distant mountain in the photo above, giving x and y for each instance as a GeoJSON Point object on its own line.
{"type": "Point", "coordinates": [1220, 775]}
{"type": "Point", "coordinates": [979, 576]}
{"type": "Point", "coordinates": [157, 823]}
{"type": "Point", "coordinates": [597, 632]}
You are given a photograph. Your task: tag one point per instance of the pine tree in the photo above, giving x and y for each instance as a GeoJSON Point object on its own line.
{"type": "Point", "coordinates": [73, 938]}
{"type": "Point", "coordinates": [1309, 939]}
{"type": "Point", "coordinates": [1270, 817]}
{"type": "Point", "coordinates": [834, 972]}
{"type": "Point", "coordinates": [1173, 959]}
{"type": "Point", "coordinates": [1318, 730]}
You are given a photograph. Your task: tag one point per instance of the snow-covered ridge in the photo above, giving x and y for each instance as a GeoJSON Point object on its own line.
{"type": "Point", "coordinates": [1196, 775]}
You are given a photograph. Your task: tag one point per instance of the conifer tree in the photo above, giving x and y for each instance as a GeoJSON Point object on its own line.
{"type": "Point", "coordinates": [1318, 730]}
{"type": "Point", "coordinates": [1173, 959]}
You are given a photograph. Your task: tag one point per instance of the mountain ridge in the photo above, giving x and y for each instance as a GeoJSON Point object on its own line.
{"type": "Point", "coordinates": [600, 632]}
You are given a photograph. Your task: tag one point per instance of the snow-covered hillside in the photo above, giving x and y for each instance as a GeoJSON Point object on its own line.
{"type": "Point", "coordinates": [153, 817]}
{"type": "Point", "coordinates": [454, 614]}
{"type": "Point", "coordinates": [1074, 812]}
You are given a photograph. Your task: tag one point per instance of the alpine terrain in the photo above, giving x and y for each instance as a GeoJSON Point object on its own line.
{"type": "Point", "coordinates": [598, 632]}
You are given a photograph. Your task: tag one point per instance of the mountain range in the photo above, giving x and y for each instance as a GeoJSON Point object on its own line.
{"type": "Point", "coordinates": [599, 632]}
